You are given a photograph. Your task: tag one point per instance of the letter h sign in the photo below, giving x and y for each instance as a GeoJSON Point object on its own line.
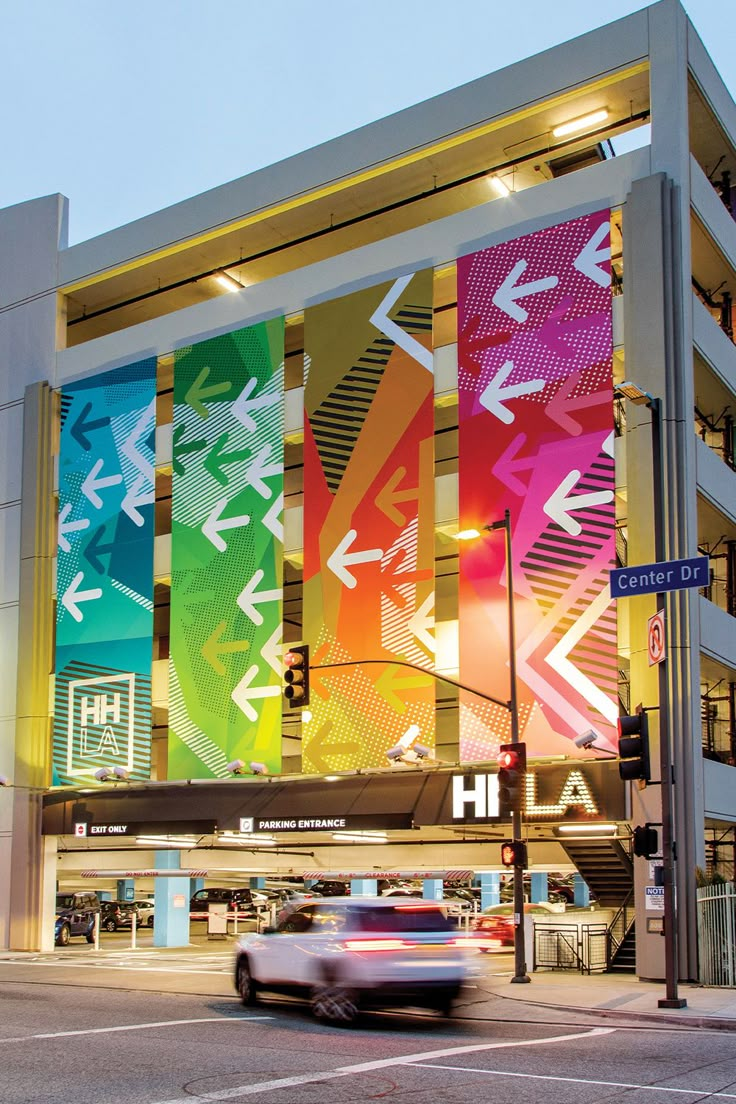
{"type": "Point", "coordinates": [482, 796]}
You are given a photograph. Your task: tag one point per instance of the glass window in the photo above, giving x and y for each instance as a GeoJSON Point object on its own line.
{"type": "Point", "coordinates": [403, 918]}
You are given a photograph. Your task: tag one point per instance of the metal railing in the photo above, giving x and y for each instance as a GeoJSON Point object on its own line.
{"type": "Point", "coordinates": [717, 934]}
{"type": "Point", "coordinates": [579, 947]}
{"type": "Point", "coordinates": [619, 928]}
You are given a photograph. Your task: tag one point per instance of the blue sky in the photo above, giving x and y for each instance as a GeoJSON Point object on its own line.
{"type": "Point", "coordinates": [126, 107]}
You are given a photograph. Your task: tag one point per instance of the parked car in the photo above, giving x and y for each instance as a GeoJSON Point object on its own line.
{"type": "Point", "coordinates": [493, 929]}
{"type": "Point", "coordinates": [116, 914]}
{"type": "Point", "coordinates": [343, 954]}
{"type": "Point", "coordinates": [75, 915]}
{"type": "Point", "coordinates": [144, 910]}
{"type": "Point", "coordinates": [330, 888]}
{"type": "Point", "coordinates": [242, 900]}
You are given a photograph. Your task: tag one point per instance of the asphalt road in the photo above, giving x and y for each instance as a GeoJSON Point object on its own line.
{"type": "Point", "coordinates": [87, 1045]}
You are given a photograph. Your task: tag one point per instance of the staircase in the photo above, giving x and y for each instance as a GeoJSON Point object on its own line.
{"type": "Point", "coordinates": [624, 960]}
{"type": "Point", "coordinates": [605, 866]}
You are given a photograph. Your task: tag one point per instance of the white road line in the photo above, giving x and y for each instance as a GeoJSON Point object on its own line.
{"type": "Point", "coordinates": [365, 1067]}
{"type": "Point", "coordinates": [131, 1027]}
{"type": "Point", "coordinates": [578, 1080]}
{"type": "Point", "coordinates": [118, 966]}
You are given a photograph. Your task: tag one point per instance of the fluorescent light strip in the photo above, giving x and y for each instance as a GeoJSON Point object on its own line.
{"type": "Point", "coordinates": [247, 840]}
{"type": "Point", "coordinates": [583, 829]}
{"type": "Point", "coordinates": [166, 841]}
{"type": "Point", "coordinates": [361, 837]}
{"type": "Point", "coordinates": [585, 122]}
{"type": "Point", "coordinates": [500, 186]}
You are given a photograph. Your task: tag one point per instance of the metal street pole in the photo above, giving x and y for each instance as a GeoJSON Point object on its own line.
{"type": "Point", "coordinates": [669, 870]}
{"type": "Point", "coordinates": [520, 974]}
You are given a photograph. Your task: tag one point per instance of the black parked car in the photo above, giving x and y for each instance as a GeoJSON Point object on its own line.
{"type": "Point", "coordinates": [115, 914]}
{"type": "Point", "coordinates": [75, 915]}
{"type": "Point", "coordinates": [243, 900]}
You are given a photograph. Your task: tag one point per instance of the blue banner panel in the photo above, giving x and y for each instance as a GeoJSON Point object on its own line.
{"type": "Point", "coordinates": [104, 584]}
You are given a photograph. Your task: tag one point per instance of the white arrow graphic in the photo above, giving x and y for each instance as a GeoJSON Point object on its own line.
{"type": "Point", "coordinates": [495, 394]}
{"type": "Point", "coordinates": [591, 256]}
{"type": "Point", "coordinates": [249, 597]}
{"type": "Point", "coordinates": [272, 650]}
{"type": "Point", "coordinates": [259, 470]}
{"type": "Point", "coordinates": [69, 527]}
{"type": "Point", "coordinates": [213, 526]}
{"type": "Point", "coordinates": [421, 623]}
{"type": "Point", "coordinates": [133, 499]}
{"type": "Point", "coordinates": [92, 484]}
{"type": "Point", "coordinates": [142, 428]}
{"type": "Point", "coordinates": [558, 505]}
{"type": "Point", "coordinates": [244, 406]}
{"type": "Point", "coordinates": [341, 558]}
{"type": "Point", "coordinates": [509, 291]}
{"type": "Point", "coordinates": [243, 692]}
{"type": "Point", "coordinates": [73, 596]}
{"type": "Point", "coordinates": [386, 325]}
{"type": "Point", "coordinates": [272, 518]}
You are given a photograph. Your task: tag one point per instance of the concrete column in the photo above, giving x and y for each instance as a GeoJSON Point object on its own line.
{"type": "Point", "coordinates": [490, 890]}
{"type": "Point", "coordinates": [258, 882]}
{"type": "Point", "coordinates": [582, 893]}
{"type": "Point", "coordinates": [195, 884]}
{"type": "Point", "coordinates": [364, 887]}
{"type": "Point", "coordinates": [126, 889]}
{"type": "Point", "coordinates": [539, 886]}
{"type": "Point", "coordinates": [432, 889]}
{"type": "Point", "coordinates": [171, 903]}
{"type": "Point", "coordinates": [48, 892]}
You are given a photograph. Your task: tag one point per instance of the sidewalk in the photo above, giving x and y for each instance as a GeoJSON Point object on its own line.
{"type": "Point", "coordinates": [621, 996]}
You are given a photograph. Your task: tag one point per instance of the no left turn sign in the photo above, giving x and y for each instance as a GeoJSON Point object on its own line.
{"type": "Point", "coordinates": [655, 638]}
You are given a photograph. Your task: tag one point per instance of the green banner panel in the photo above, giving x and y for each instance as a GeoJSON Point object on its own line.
{"type": "Point", "coordinates": [225, 668]}
{"type": "Point", "coordinates": [104, 610]}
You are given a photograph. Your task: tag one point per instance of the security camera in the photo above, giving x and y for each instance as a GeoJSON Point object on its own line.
{"type": "Point", "coordinates": [586, 739]}
{"type": "Point", "coordinates": [395, 753]}
{"type": "Point", "coordinates": [258, 768]}
{"type": "Point", "coordinates": [422, 752]}
{"type": "Point", "coordinates": [121, 772]}
{"type": "Point", "coordinates": [236, 767]}
{"type": "Point", "coordinates": [4, 780]}
{"type": "Point", "coordinates": [102, 774]}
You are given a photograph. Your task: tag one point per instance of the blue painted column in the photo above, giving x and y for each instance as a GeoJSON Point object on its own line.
{"type": "Point", "coordinates": [171, 903]}
{"type": "Point", "coordinates": [581, 891]}
{"type": "Point", "coordinates": [490, 890]}
{"type": "Point", "coordinates": [194, 885]}
{"type": "Point", "coordinates": [539, 887]}
{"type": "Point", "coordinates": [364, 887]}
{"type": "Point", "coordinates": [258, 882]}
{"type": "Point", "coordinates": [432, 889]}
{"type": "Point", "coordinates": [126, 889]}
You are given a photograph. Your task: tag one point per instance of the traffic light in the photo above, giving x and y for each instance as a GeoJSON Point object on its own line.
{"type": "Point", "coordinates": [511, 775]}
{"type": "Point", "coordinates": [646, 841]}
{"type": "Point", "coordinates": [513, 853]}
{"type": "Point", "coordinates": [296, 675]}
{"type": "Point", "coordinates": [633, 747]}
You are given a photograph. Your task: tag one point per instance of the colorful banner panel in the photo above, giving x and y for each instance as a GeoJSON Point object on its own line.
{"type": "Point", "coordinates": [226, 666]}
{"type": "Point", "coordinates": [369, 524]}
{"type": "Point", "coordinates": [536, 437]}
{"type": "Point", "coordinates": [104, 610]}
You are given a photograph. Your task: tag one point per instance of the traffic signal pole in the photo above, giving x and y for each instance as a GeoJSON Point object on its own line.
{"type": "Point", "coordinates": [671, 964]}
{"type": "Point", "coordinates": [520, 974]}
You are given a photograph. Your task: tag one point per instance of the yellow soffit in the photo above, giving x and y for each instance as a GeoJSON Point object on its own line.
{"type": "Point", "coordinates": [349, 182]}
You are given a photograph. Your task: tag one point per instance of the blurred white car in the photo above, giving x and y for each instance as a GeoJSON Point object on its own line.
{"type": "Point", "coordinates": [348, 953]}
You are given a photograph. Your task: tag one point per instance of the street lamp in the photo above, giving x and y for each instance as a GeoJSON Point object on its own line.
{"type": "Point", "coordinates": [640, 397]}
{"type": "Point", "coordinates": [520, 974]}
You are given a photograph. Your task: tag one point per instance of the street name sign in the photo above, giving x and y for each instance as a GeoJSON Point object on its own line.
{"type": "Point", "coordinates": [656, 578]}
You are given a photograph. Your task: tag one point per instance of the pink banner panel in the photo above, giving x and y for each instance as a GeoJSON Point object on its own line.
{"type": "Point", "coordinates": [535, 350]}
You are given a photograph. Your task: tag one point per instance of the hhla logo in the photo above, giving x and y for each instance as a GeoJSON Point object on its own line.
{"type": "Point", "coordinates": [477, 796]}
{"type": "Point", "coordinates": [101, 716]}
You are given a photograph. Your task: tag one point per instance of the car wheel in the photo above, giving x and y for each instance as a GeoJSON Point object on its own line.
{"type": "Point", "coordinates": [150, 921]}
{"type": "Point", "coordinates": [109, 925]}
{"type": "Point", "coordinates": [246, 984]}
{"type": "Point", "coordinates": [65, 934]}
{"type": "Point", "coordinates": [335, 1003]}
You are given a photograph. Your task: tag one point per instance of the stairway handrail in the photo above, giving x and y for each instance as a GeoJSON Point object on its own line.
{"type": "Point", "coordinates": [620, 918]}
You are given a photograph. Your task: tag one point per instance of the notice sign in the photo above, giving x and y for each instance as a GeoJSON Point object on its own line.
{"type": "Point", "coordinates": [656, 648]}
{"type": "Point", "coordinates": [654, 898]}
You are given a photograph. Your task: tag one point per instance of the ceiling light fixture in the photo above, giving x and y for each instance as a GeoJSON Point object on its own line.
{"type": "Point", "coordinates": [360, 837]}
{"type": "Point", "coordinates": [228, 282]}
{"type": "Point", "coordinates": [166, 841]}
{"type": "Point", "coordinates": [500, 186]}
{"type": "Point", "coordinates": [587, 829]}
{"type": "Point", "coordinates": [584, 122]}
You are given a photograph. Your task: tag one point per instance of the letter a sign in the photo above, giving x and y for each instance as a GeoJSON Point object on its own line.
{"type": "Point", "coordinates": [655, 638]}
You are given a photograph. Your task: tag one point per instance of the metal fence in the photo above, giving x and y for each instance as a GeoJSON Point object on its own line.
{"type": "Point", "coordinates": [580, 947]}
{"type": "Point", "coordinates": [717, 933]}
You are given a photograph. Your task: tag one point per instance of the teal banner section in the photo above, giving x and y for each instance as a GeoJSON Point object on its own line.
{"type": "Point", "coordinates": [225, 667]}
{"type": "Point", "coordinates": [104, 585]}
